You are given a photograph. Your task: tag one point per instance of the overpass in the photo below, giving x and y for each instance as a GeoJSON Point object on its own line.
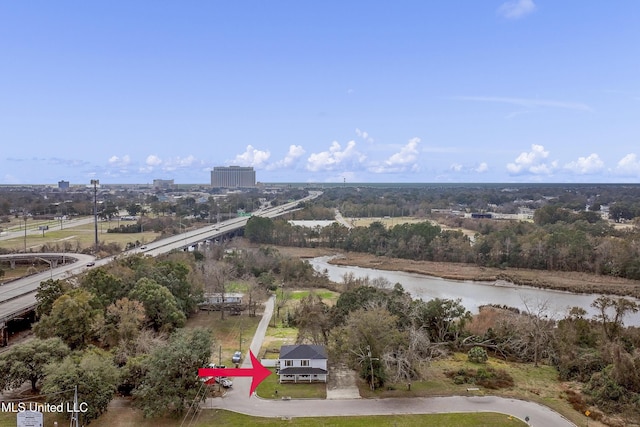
{"type": "Point", "coordinates": [18, 297]}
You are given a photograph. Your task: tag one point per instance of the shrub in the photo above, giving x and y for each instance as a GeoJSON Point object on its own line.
{"type": "Point", "coordinates": [489, 378]}
{"type": "Point", "coordinates": [477, 355]}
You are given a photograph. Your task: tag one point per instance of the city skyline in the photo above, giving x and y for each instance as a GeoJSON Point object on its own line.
{"type": "Point", "coordinates": [493, 91]}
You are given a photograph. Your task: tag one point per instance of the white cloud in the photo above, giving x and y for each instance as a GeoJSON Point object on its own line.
{"type": "Point", "coordinates": [482, 167]}
{"type": "Point", "coordinates": [586, 165]}
{"type": "Point", "coordinates": [407, 155]}
{"type": "Point", "coordinates": [532, 162]}
{"type": "Point", "coordinates": [516, 9]}
{"type": "Point", "coordinates": [335, 157]}
{"type": "Point", "coordinates": [403, 160]}
{"type": "Point", "coordinates": [459, 168]}
{"type": "Point", "coordinates": [120, 161]}
{"type": "Point", "coordinates": [629, 165]}
{"type": "Point", "coordinates": [364, 135]}
{"type": "Point", "coordinates": [252, 157]}
{"type": "Point", "coordinates": [153, 160]}
{"type": "Point", "coordinates": [290, 159]}
{"type": "Point", "coordinates": [180, 163]}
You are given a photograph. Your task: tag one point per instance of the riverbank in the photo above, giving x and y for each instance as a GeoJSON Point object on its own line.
{"type": "Point", "coordinates": [558, 280]}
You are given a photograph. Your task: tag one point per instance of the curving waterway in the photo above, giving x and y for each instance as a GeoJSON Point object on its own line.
{"type": "Point", "coordinates": [473, 294]}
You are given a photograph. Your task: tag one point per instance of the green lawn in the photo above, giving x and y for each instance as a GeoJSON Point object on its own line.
{"type": "Point", "coordinates": [325, 294]}
{"type": "Point", "coordinates": [267, 389]}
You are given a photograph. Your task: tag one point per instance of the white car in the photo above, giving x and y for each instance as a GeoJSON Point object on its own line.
{"type": "Point", "coordinates": [224, 382]}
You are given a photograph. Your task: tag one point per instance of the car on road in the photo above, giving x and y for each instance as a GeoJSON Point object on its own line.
{"type": "Point", "coordinates": [91, 264]}
{"type": "Point", "coordinates": [237, 357]}
{"type": "Point", "coordinates": [142, 248]}
{"type": "Point", "coordinates": [224, 382]}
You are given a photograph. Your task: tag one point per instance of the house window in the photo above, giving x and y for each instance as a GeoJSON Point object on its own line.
{"type": "Point", "coordinates": [288, 363]}
{"type": "Point", "coordinates": [304, 363]}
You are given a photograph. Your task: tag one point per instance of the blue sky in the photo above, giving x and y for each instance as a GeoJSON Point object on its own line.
{"type": "Point", "coordinates": [320, 91]}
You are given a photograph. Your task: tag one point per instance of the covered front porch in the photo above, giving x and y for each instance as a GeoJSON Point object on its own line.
{"type": "Point", "coordinates": [302, 375]}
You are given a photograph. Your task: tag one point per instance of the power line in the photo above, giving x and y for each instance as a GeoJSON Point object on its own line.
{"type": "Point", "coordinates": [195, 405]}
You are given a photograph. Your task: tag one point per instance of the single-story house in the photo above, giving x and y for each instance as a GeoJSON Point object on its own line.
{"type": "Point", "coordinates": [231, 302]}
{"type": "Point", "coordinates": [229, 298]}
{"type": "Point", "coordinates": [302, 363]}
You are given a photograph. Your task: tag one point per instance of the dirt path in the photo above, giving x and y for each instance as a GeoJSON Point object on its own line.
{"type": "Point", "coordinates": [559, 280]}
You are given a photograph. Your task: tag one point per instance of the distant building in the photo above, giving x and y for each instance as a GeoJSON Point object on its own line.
{"type": "Point", "coordinates": [63, 185]}
{"type": "Point", "coordinates": [233, 177]}
{"type": "Point", "coordinates": [162, 183]}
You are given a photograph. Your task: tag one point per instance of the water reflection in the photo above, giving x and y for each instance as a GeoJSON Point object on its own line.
{"type": "Point", "coordinates": [473, 294]}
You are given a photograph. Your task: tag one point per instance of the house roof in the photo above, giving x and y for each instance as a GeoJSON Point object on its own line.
{"type": "Point", "coordinates": [303, 351]}
{"type": "Point", "coordinates": [302, 371]}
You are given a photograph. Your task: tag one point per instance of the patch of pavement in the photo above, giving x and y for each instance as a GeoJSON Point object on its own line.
{"type": "Point", "coordinates": [342, 383]}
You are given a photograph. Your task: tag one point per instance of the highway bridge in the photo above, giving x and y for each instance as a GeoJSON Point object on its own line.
{"type": "Point", "coordinates": [18, 298]}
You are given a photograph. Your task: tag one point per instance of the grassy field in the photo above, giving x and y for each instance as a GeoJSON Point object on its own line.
{"type": "Point", "coordinates": [73, 238]}
{"type": "Point", "coordinates": [229, 335]}
{"type": "Point", "coordinates": [328, 297]}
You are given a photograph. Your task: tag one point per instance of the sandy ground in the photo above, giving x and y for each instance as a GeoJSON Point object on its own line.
{"type": "Point", "coordinates": [560, 280]}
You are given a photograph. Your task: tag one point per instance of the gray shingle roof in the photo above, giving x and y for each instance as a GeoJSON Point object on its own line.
{"type": "Point", "coordinates": [303, 351]}
{"type": "Point", "coordinates": [302, 371]}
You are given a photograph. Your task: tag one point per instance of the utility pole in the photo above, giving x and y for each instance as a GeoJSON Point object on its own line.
{"type": "Point", "coordinates": [24, 216]}
{"type": "Point", "coordinates": [95, 184]}
{"type": "Point", "coordinates": [371, 359]}
{"type": "Point", "coordinates": [75, 422]}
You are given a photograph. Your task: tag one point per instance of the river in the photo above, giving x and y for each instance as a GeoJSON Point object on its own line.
{"type": "Point", "coordinates": [474, 294]}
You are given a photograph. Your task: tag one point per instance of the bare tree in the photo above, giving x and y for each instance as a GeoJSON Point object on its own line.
{"type": "Point", "coordinates": [311, 317]}
{"type": "Point", "coordinates": [216, 276]}
{"type": "Point", "coordinates": [255, 294]}
{"type": "Point", "coordinates": [620, 307]}
{"type": "Point", "coordinates": [538, 327]}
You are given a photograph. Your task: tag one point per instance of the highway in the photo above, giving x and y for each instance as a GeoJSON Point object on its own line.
{"type": "Point", "coordinates": [19, 296]}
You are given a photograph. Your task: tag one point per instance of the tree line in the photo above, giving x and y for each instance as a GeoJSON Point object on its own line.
{"type": "Point", "coordinates": [556, 240]}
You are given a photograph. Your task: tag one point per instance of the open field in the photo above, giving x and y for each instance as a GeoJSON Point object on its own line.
{"type": "Point", "coordinates": [70, 238]}
{"type": "Point", "coordinates": [390, 222]}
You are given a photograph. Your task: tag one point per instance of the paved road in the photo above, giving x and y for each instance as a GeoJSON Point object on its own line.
{"type": "Point", "coordinates": [237, 399]}
{"type": "Point", "coordinates": [20, 295]}
{"type": "Point", "coordinates": [241, 386]}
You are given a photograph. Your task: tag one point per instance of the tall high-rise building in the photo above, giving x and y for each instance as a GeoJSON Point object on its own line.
{"type": "Point", "coordinates": [233, 177]}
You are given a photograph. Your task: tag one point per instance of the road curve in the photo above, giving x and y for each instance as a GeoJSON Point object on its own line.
{"type": "Point", "coordinates": [538, 415]}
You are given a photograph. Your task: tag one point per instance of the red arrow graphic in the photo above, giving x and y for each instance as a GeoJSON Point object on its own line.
{"type": "Point", "coordinates": [257, 371]}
